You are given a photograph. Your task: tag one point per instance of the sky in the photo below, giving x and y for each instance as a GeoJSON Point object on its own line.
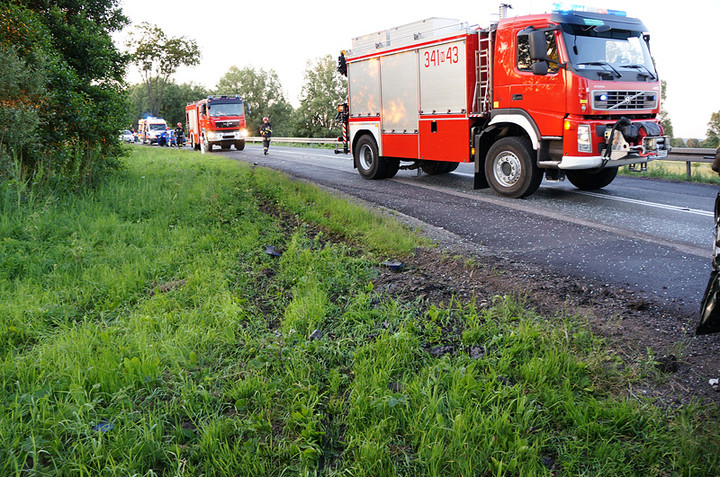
{"type": "Point", "coordinates": [284, 35]}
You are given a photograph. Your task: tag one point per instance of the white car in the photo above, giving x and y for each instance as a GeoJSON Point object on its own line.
{"type": "Point", "coordinates": [127, 136]}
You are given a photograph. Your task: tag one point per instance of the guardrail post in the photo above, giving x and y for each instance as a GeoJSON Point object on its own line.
{"type": "Point", "coordinates": [688, 169]}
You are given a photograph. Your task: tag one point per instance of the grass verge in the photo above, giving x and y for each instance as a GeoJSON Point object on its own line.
{"type": "Point", "coordinates": [145, 330]}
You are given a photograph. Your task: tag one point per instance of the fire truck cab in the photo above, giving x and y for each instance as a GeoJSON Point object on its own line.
{"type": "Point", "coordinates": [216, 120]}
{"type": "Point", "coordinates": [560, 95]}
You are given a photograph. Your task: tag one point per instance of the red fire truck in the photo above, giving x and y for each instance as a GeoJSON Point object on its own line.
{"type": "Point", "coordinates": [216, 120]}
{"type": "Point", "coordinates": [564, 94]}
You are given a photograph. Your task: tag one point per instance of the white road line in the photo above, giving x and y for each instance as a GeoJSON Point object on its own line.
{"type": "Point", "coordinates": [628, 200]}
{"type": "Point", "coordinates": [676, 208]}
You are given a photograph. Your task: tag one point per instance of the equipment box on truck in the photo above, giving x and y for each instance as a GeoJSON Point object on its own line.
{"type": "Point", "coordinates": [564, 94]}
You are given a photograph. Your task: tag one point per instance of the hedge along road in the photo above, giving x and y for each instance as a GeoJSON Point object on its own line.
{"type": "Point", "coordinates": [649, 236]}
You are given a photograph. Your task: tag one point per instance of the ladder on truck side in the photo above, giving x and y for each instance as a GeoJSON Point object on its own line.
{"type": "Point", "coordinates": [483, 74]}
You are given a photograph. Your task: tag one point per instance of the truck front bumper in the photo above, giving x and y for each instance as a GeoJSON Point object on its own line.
{"type": "Point", "coordinates": [595, 162]}
{"type": "Point", "coordinates": [634, 155]}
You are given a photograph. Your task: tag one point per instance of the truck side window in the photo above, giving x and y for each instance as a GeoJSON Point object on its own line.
{"type": "Point", "coordinates": [523, 52]}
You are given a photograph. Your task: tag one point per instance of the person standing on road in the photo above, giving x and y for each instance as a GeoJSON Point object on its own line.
{"type": "Point", "coordinates": [266, 133]}
{"type": "Point", "coordinates": [179, 135]}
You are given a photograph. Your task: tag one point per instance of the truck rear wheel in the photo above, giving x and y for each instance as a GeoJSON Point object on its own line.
{"type": "Point", "coordinates": [586, 180]}
{"type": "Point", "coordinates": [392, 166]}
{"type": "Point", "coordinates": [510, 169]}
{"type": "Point", "coordinates": [369, 163]}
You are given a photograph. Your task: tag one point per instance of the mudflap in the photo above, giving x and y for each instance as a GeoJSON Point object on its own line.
{"type": "Point", "coordinates": [479, 179]}
{"type": "Point", "coordinates": [710, 309]}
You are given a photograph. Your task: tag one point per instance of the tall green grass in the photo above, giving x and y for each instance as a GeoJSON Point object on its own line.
{"type": "Point", "coordinates": [144, 331]}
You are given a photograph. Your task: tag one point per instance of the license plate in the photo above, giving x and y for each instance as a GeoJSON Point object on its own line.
{"type": "Point", "coordinates": [661, 153]}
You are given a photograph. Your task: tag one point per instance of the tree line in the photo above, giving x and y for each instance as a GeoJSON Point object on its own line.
{"type": "Point", "coordinates": [323, 88]}
{"type": "Point", "coordinates": [157, 57]}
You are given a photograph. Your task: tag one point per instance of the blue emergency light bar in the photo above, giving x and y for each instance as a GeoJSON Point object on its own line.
{"type": "Point", "coordinates": [568, 8]}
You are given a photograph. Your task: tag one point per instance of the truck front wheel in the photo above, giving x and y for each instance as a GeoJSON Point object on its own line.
{"type": "Point", "coordinates": [369, 163]}
{"type": "Point", "coordinates": [205, 146]}
{"type": "Point", "coordinates": [586, 180]}
{"type": "Point", "coordinates": [240, 145]}
{"type": "Point", "coordinates": [510, 169]}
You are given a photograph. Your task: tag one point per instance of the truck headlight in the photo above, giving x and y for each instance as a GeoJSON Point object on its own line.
{"type": "Point", "coordinates": [584, 143]}
{"type": "Point", "coordinates": [243, 133]}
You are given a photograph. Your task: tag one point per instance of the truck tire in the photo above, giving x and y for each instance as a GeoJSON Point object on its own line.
{"type": "Point", "coordinates": [392, 166]}
{"type": "Point", "coordinates": [510, 169]}
{"type": "Point", "coordinates": [369, 163]}
{"type": "Point", "coordinates": [587, 180]}
{"type": "Point", "coordinates": [205, 146]}
{"type": "Point", "coordinates": [239, 145]}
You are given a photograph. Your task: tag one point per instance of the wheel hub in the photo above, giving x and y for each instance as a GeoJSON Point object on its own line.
{"type": "Point", "coordinates": [366, 157]}
{"type": "Point", "coordinates": [507, 169]}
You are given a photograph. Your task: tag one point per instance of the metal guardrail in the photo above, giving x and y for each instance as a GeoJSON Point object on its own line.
{"type": "Point", "coordinates": [299, 140]}
{"type": "Point", "coordinates": [688, 155]}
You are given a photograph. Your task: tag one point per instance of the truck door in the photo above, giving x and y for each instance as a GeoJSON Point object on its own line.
{"type": "Point", "coordinates": [541, 96]}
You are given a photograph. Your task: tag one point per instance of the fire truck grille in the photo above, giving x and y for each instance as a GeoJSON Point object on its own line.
{"type": "Point", "coordinates": [227, 124]}
{"type": "Point", "coordinates": [624, 100]}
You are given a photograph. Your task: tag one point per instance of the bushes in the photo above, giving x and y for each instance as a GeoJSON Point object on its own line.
{"type": "Point", "coordinates": [61, 98]}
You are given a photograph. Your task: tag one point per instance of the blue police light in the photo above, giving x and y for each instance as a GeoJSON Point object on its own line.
{"type": "Point", "coordinates": [603, 97]}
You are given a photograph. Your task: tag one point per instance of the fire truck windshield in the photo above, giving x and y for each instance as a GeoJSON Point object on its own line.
{"type": "Point", "coordinates": [225, 109]}
{"type": "Point", "coordinates": [612, 55]}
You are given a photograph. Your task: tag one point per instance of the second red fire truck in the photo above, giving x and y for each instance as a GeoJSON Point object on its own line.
{"type": "Point", "coordinates": [216, 120]}
{"type": "Point", "coordinates": [566, 94]}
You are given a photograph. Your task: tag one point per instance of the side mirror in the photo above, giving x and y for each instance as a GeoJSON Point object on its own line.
{"type": "Point", "coordinates": [538, 47]}
{"type": "Point", "coordinates": [540, 68]}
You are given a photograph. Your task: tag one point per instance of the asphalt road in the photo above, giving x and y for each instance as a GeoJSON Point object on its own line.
{"type": "Point", "coordinates": [649, 236]}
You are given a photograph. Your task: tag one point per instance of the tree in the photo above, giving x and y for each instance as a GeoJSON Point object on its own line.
{"type": "Point", "coordinates": [713, 132]}
{"type": "Point", "coordinates": [158, 58]}
{"type": "Point", "coordinates": [664, 116]}
{"type": "Point", "coordinates": [263, 96]}
{"type": "Point", "coordinates": [64, 76]}
{"type": "Point", "coordinates": [323, 89]}
{"type": "Point", "coordinates": [175, 98]}
{"type": "Point", "coordinates": [678, 142]}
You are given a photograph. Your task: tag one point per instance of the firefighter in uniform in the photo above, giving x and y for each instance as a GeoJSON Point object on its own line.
{"type": "Point", "coordinates": [179, 135]}
{"type": "Point", "coordinates": [266, 133]}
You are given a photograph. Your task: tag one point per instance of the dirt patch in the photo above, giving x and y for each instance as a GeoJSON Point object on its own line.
{"type": "Point", "coordinates": [644, 333]}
